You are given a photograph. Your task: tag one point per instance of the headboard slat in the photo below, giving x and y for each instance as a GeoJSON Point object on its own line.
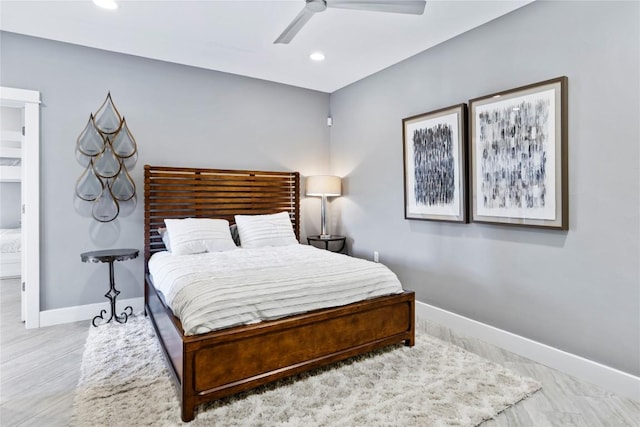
{"type": "Point", "coordinates": [172, 192]}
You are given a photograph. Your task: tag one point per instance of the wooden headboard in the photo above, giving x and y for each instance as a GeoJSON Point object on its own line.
{"type": "Point", "coordinates": [171, 192]}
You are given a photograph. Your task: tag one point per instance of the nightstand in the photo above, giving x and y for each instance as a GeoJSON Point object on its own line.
{"type": "Point", "coordinates": [333, 242]}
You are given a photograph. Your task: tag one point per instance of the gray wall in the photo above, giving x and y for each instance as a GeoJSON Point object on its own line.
{"type": "Point", "coordinates": [180, 116]}
{"type": "Point", "coordinates": [578, 290]}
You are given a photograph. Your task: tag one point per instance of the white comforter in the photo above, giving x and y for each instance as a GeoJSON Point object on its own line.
{"type": "Point", "coordinates": [10, 240]}
{"type": "Point", "coordinates": [217, 290]}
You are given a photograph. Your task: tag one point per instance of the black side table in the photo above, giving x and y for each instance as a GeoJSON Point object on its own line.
{"type": "Point", "coordinates": [110, 256]}
{"type": "Point", "coordinates": [342, 240]}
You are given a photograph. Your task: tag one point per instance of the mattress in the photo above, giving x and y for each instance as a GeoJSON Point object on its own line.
{"type": "Point", "coordinates": [10, 240]}
{"type": "Point", "coordinates": [212, 291]}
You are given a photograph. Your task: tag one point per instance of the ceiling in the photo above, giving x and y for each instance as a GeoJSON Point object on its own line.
{"type": "Point", "coordinates": [236, 36]}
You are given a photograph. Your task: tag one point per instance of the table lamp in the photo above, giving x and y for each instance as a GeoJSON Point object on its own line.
{"type": "Point", "coordinates": [324, 186]}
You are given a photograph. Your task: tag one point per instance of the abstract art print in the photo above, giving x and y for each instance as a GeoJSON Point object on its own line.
{"type": "Point", "coordinates": [518, 156]}
{"type": "Point", "coordinates": [435, 181]}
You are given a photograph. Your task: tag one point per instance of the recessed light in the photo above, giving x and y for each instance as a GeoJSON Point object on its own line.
{"type": "Point", "coordinates": [317, 56]}
{"type": "Point", "coordinates": [106, 4]}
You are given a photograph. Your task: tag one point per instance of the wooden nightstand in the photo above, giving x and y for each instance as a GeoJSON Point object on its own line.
{"type": "Point", "coordinates": [339, 242]}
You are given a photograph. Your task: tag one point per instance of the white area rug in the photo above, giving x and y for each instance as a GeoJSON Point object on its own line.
{"type": "Point", "coordinates": [124, 381]}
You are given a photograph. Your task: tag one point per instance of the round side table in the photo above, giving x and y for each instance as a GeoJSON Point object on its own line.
{"type": "Point", "coordinates": [110, 256]}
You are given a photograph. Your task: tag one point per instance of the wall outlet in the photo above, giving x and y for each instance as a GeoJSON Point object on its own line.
{"type": "Point", "coordinates": [376, 258]}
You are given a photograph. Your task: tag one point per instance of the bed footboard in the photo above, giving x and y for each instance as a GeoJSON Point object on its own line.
{"type": "Point", "coordinates": [221, 363]}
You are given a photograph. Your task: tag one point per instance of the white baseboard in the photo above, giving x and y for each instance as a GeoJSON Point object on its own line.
{"type": "Point", "coordinates": [606, 377]}
{"type": "Point", "coordinates": [87, 312]}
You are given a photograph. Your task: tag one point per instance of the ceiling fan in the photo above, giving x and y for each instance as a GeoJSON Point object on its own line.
{"type": "Point", "coordinates": [413, 7]}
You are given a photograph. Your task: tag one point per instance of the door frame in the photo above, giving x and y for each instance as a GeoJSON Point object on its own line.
{"type": "Point", "coordinates": [29, 102]}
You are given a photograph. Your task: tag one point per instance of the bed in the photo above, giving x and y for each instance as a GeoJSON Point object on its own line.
{"type": "Point", "coordinates": [216, 364]}
{"type": "Point", "coordinates": [10, 250]}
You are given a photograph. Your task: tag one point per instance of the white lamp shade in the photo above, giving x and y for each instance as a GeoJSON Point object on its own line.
{"type": "Point", "coordinates": [324, 185]}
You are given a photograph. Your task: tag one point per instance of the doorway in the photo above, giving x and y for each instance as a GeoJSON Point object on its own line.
{"type": "Point", "coordinates": [23, 167]}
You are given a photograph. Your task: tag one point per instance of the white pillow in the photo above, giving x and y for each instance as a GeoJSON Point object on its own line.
{"type": "Point", "coordinates": [257, 231]}
{"type": "Point", "coordinates": [162, 231]}
{"type": "Point", "coordinates": [197, 235]}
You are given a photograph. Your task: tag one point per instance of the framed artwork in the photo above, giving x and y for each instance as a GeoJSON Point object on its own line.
{"type": "Point", "coordinates": [435, 153]}
{"type": "Point", "coordinates": [518, 156]}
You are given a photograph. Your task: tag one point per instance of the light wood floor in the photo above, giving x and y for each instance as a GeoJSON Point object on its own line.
{"type": "Point", "coordinates": [40, 368]}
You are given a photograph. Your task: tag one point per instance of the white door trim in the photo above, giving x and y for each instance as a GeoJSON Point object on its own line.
{"type": "Point", "coordinates": [29, 101]}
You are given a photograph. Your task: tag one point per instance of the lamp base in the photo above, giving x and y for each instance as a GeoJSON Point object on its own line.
{"type": "Point", "coordinates": [325, 236]}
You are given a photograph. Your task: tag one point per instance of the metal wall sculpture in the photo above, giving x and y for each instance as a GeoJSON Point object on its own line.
{"type": "Point", "coordinates": [107, 150]}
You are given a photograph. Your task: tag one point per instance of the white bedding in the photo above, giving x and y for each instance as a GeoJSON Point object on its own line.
{"type": "Point", "coordinates": [217, 290]}
{"type": "Point", "coordinates": [10, 240]}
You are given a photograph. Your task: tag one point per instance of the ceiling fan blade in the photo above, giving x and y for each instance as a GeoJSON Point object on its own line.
{"type": "Point", "coordinates": [413, 7]}
{"type": "Point", "coordinates": [298, 22]}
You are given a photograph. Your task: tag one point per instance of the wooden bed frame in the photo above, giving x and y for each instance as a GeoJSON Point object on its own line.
{"type": "Point", "coordinates": [221, 363]}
